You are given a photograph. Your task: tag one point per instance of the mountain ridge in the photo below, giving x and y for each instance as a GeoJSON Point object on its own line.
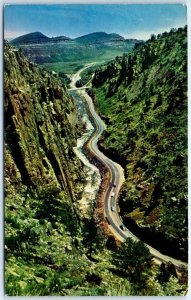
{"type": "Point", "coordinates": [99, 37]}
{"type": "Point", "coordinates": [37, 37]}
{"type": "Point", "coordinates": [94, 37]}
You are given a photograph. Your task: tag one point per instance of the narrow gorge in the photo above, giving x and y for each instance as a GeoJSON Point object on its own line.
{"type": "Point", "coordinates": [75, 183]}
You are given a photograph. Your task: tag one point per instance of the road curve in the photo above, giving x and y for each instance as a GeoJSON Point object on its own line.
{"type": "Point", "coordinates": [117, 179]}
{"type": "Point", "coordinates": [75, 77]}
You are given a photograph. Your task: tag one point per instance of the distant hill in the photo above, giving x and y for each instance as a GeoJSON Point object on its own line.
{"type": "Point", "coordinates": [101, 37]}
{"type": "Point", "coordinates": [37, 38]}
{"type": "Point", "coordinates": [92, 38]}
{"type": "Point", "coordinates": [34, 37]}
{"type": "Point", "coordinates": [135, 41]}
{"type": "Point", "coordinates": [59, 39]}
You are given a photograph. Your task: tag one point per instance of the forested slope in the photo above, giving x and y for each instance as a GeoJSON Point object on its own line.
{"type": "Point", "coordinates": [143, 97]}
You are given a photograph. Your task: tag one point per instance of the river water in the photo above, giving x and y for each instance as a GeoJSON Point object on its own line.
{"type": "Point", "coordinates": [93, 177]}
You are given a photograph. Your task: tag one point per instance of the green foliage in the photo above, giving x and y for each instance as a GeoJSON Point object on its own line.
{"type": "Point", "coordinates": [134, 260]}
{"type": "Point", "coordinates": [93, 238]}
{"type": "Point", "coordinates": [44, 257]}
{"type": "Point", "coordinates": [143, 95]}
{"type": "Point", "coordinates": [165, 272]}
{"type": "Point", "coordinates": [64, 79]}
{"type": "Point", "coordinates": [40, 237]}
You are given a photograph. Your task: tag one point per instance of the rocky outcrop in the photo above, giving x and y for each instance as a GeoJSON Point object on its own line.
{"type": "Point", "coordinates": [40, 129]}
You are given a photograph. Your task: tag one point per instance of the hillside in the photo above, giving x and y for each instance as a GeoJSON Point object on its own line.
{"type": "Point", "coordinates": [30, 38]}
{"type": "Point", "coordinates": [143, 97]}
{"type": "Point", "coordinates": [99, 37]}
{"type": "Point", "coordinates": [37, 38]}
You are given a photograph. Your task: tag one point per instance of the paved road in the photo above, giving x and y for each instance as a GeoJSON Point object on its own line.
{"type": "Point", "coordinates": [117, 179]}
{"type": "Point", "coordinates": [75, 77]}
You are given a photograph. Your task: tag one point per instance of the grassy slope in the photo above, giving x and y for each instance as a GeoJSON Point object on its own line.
{"type": "Point", "coordinates": [144, 96]}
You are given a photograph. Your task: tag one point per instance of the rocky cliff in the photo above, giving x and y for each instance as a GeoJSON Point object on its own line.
{"type": "Point", "coordinates": [40, 129]}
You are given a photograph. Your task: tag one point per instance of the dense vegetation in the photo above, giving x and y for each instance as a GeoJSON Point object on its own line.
{"type": "Point", "coordinates": [49, 254]}
{"type": "Point", "coordinates": [143, 96]}
{"type": "Point", "coordinates": [50, 249]}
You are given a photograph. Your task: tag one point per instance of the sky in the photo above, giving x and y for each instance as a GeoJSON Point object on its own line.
{"type": "Point", "coordinates": [129, 20]}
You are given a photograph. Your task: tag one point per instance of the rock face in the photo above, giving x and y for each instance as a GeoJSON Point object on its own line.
{"type": "Point", "coordinates": [40, 129]}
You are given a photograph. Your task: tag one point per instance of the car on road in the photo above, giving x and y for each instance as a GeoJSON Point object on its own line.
{"type": "Point", "coordinates": [107, 220]}
{"type": "Point", "coordinates": [112, 208]}
{"type": "Point", "coordinates": [122, 226]}
{"type": "Point", "coordinates": [112, 195]}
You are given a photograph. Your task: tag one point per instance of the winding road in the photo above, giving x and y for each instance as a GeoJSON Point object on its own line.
{"type": "Point", "coordinates": [117, 178]}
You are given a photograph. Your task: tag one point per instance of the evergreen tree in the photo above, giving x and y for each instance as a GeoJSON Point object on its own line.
{"type": "Point", "coordinates": [134, 260]}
